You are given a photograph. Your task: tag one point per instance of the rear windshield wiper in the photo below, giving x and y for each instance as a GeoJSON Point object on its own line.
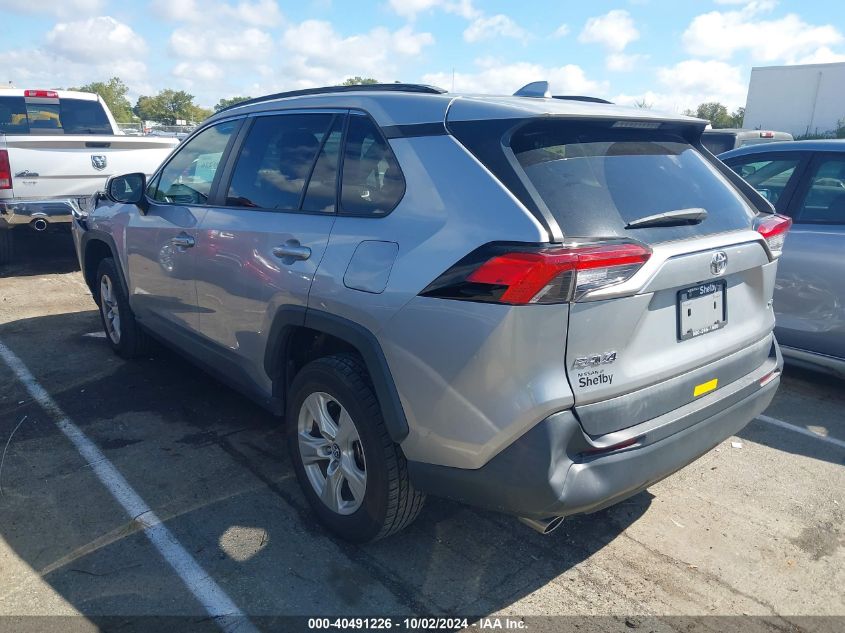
{"type": "Point", "coordinates": [679, 217]}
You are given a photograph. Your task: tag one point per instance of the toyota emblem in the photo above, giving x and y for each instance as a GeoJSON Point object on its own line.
{"type": "Point", "coordinates": [719, 262]}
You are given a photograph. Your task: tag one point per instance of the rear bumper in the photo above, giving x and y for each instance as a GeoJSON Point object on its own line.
{"type": "Point", "coordinates": [553, 470]}
{"type": "Point", "coordinates": [52, 211]}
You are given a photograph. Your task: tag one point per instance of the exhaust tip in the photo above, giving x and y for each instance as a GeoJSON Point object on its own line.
{"type": "Point", "coordinates": [39, 224]}
{"type": "Point", "coordinates": [543, 526]}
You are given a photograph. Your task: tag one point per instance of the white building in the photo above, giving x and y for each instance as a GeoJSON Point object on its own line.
{"type": "Point", "coordinates": [808, 99]}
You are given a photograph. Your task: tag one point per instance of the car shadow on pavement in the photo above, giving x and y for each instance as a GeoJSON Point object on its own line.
{"type": "Point", "coordinates": [810, 394]}
{"type": "Point", "coordinates": [213, 467]}
{"type": "Point", "coordinates": [41, 254]}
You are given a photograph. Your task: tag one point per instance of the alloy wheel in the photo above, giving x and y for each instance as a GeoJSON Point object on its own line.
{"type": "Point", "coordinates": [332, 453]}
{"type": "Point", "coordinates": [110, 309]}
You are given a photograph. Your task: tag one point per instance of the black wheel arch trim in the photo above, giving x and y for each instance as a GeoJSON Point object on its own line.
{"type": "Point", "coordinates": [288, 318]}
{"type": "Point", "coordinates": [101, 236]}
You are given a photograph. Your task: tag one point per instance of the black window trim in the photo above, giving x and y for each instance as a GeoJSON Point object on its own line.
{"type": "Point", "coordinates": [784, 203]}
{"type": "Point", "coordinates": [218, 195]}
{"type": "Point", "coordinates": [217, 174]}
{"type": "Point", "coordinates": [812, 163]}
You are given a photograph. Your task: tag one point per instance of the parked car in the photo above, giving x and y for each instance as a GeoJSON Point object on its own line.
{"type": "Point", "coordinates": [722, 140]}
{"type": "Point", "coordinates": [57, 148]}
{"type": "Point", "coordinates": [805, 180]}
{"type": "Point", "coordinates": [533, 305]}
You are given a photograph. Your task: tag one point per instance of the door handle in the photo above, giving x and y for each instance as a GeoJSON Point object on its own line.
{"type": "Point", "coordinates": [185, 241]}
{"type": "Point", "coordinates": [292, 249]}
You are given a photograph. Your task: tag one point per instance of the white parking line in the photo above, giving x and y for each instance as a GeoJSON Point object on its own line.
{"type": "Point", "coordinates": [800, 429]}
{"type": "Point", "coordinates": [209, 594]}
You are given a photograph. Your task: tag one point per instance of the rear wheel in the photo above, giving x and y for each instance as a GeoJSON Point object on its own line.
{"type": "Point", "coordinates": [123, 334]}
{"type": "Point", "coordinates": [353, 475]}
{"type": "Point", "coordinates": [6, 246]}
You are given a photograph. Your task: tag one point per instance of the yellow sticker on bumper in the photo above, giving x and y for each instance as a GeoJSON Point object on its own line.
{"type": "Point", "coordinates": [705, 387]}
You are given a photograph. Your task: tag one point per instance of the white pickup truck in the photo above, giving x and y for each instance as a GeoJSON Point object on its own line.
{"type": "Point", "coordinates": [57, 149]}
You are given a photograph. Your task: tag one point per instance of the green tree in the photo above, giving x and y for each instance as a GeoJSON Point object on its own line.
{"type": "Point", "coordinates": [718, 114]}
{"type": "Point", "coordinates": [358, 80]}
{"type": "Point", "coordinates": [225, 103]}
{"type": "Point", "coordinates": [113, 92]}
{"type": "Point", "coordinates": [168, 106]}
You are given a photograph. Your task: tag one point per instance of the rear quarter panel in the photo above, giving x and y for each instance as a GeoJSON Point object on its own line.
{"type": "Point", "coordinates": [455, 364]}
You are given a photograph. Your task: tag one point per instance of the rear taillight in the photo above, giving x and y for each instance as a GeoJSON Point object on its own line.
{"type": "Point", "coordinates": [773, 228]}
{"type": "Point", "coordinates": [5, 170]}
{"type": "Point", "coordinates": [519, 275]}
{"type": "Point", "coordinates": [47, 94]}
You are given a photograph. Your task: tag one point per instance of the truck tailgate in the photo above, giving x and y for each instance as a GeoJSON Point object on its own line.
{"type": "Point", "coordinates": [56, 165]}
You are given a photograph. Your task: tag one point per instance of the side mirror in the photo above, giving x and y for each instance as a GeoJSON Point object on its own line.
{"type": "Point", "coordinates": [128, 189]}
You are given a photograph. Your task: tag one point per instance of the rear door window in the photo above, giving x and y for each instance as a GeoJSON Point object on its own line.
{"type": "Point", "coordinates": [824, 202]}
{"type": "Point", "coordinates": [373, 183]}
{"type": "Point", "coordinates": [768, 175]}
{"type": "Point", "coordinates": [596, 180]}
{"type": "Point", "coordinates": [277, 160]}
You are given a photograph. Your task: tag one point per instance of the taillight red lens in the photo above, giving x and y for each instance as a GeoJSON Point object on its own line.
{"type": "Point", "coordinates": [774, 228]}
{"type": "Point", "coordinates": [47, 94]}
{"type": "Point", "coordinates": [5, 170]}
{"type": "Point", "coordinates": [522, 275]}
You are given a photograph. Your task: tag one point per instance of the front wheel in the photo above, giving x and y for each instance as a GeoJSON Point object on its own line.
{"type": "Point", "coordinates": [123, 333]}
{"type": "Point", "coordinates": [353, 475]}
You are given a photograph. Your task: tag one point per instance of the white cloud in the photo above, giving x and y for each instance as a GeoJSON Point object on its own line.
{"type": "Point", "coordinates": [38, 68]}
{"type": "Point", "coordinates": [613, 30]}
{"type": "Point", "coordinates": [822, 55]}
{"type": "Point", "coordinates": [787, 39]}
{"type": "Point", "coordinates": [498, 78]}
{"type": "Point", "coordinates": [204, 71]}
{"type": "Point", "coordinates": [486, 27]}
{"type": "Point", "coordinates": [221, 44]}
{"type": "Point", "coordinates": [61, 8]}
{"type": "Point", "coordinates": [95, 40]}
{"type": "Point", "coordinates": [623, 62]}
{"type": "Point", "coordinates": [411, 8]}
{"type": "Point", "coordinates": [562, 31]}
{"type": "Point", "coordinates": [694, 75]}
{"type": "Point", "coordinates": [317, 55]}
{"type": "Point", "coordinates": [265, 13]}
{"type": "Point", "coordinates": [691, 82]}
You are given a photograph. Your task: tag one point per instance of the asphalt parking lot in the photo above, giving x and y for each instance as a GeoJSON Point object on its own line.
{"type": "Point", "coordinates": [755, 527]}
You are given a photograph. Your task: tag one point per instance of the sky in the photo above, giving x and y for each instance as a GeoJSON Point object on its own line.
{"type": "Point", "coordinates": [672, 55]}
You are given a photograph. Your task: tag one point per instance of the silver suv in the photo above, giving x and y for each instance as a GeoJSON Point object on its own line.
{"type": "Point", "coordinates": [535, 305]}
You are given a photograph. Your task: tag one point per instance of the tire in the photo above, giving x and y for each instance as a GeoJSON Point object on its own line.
{"type": "Point", "coordinates": [127, 339]}
{"type": "Point", "coordinates": [7, 240]}
{"type": "Point", "coordinates": [334, 385]}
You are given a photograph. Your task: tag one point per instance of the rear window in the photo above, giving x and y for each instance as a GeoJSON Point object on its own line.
{"type": "Point", "coordinates": [596, 179]}
{"type": "Point", "coordinates": [19, 115]}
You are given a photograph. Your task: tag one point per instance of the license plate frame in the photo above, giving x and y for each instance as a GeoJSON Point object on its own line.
{"type": "Point", "coordinates": [695, 314]}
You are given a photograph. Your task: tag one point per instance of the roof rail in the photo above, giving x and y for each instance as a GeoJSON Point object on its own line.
{"type": "Point", "coordinates": [396, 87]}
{"type": "Point", "coordinates": [582, 98]}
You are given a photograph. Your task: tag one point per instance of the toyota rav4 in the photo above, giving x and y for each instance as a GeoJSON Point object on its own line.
{"type": "Point", "coordinates": [530, 304]}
